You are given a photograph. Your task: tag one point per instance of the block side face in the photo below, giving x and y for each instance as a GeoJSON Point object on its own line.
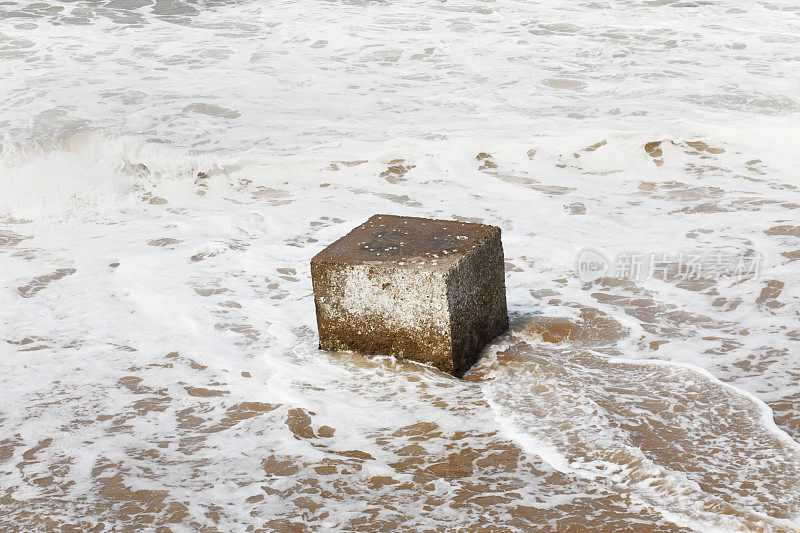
{"type": "Point", "coordinates": [319, 283]}
{"type": "Point", "coordinates": [383, 309]}
{"type": "Point", "coordinates": [477, 300]}
{"type": "Point", "coordinates": [391, 238]}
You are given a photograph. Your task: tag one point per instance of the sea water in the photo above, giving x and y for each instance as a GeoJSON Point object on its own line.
{"type": "Point", "coordinates": [168, 169]}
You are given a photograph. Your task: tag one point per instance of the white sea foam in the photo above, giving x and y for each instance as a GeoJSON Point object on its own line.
{"type": "Point", "coordinates": [209, 149]}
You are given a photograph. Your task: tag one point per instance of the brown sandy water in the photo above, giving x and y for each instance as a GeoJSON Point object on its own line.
{"type": "Point", "coordinates": [492, 484]}
{"type": "Point", "coordinates": [448, 465]}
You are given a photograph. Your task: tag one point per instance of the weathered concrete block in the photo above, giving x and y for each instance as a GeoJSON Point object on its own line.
{"type": "Point", "coordinates": [432, 291]}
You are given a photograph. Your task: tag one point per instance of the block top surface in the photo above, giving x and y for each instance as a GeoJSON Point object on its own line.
{"type": "Point", "coordinates": [404, 240]}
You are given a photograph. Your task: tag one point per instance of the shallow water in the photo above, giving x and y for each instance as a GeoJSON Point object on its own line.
{"type": "Point", "coordinates": [169, 169]}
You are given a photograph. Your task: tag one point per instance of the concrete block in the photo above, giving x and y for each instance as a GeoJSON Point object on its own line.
{"type": "Point", "coordinates": [432, 291]}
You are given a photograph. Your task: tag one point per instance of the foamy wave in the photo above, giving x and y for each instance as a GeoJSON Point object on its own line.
{"type": "Point", "coordinates": [88, 176]}
{"type": "Point", "coordinates": [665, 434]}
